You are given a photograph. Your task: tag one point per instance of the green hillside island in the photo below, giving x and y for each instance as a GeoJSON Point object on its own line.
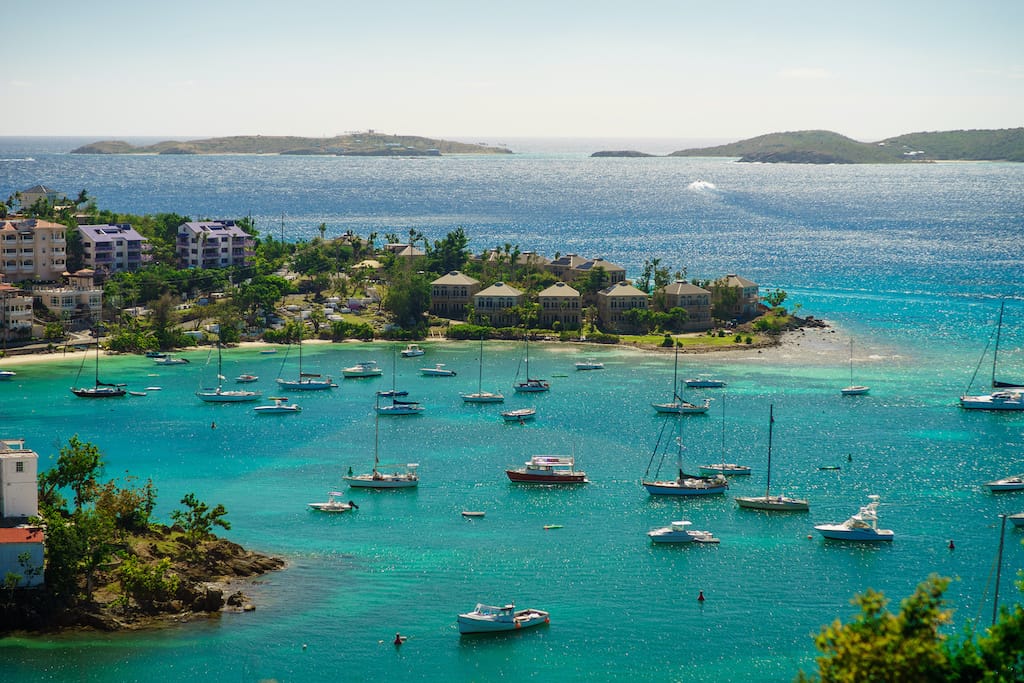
{"type": "Point", "coordinates": [826, 147]}
{"type": "Point", "coordinates": [353, 144]}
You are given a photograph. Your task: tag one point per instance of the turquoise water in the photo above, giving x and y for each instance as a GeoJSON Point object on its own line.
{"type": "Point", "coordinates": [907, 261]}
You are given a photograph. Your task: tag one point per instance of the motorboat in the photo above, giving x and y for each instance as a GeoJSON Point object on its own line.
{"type": "Point", "coordinates": [170, 360]}
{"type": "Point", "coordinates": [334, 503]}
{"type": "Point", "coordinates": [439, 370]}
{"type": "Point", "coordinates": [136, 393]}
{"type": "Point", "coordinates": [280, 405]}
{"type": "Point", "coordinates": [704, 383]}
{"type": "Point", "coordinates": [863, 526]}
{"type": "Point", "coordinates": [490, 619]}
{"type": "Point", "coordinates": [412, 350]}
{"type": "Point", "coordinates": [519, 414]}
{"type": "Point", "coordinates": [1017, 519]}
{"type": "Point", "coordinates": [366, 368]}
{"type": "Point", "coordinates": [219, 394]}
{"type": "Point", "coordinates": [728, 469]}
{"type": "Point", "coordinates": [768, 502]}
{"type": "Point", "coordinates": [155, 354]}
{"type": "Point", "coordinates": [1013, 483]}
{"type": "Point", "coordinates": [589, 364]}
{"type": "Point", "coordinates": [473, 513]}
{"type": "Point", "coordinates": [7, 375]}
{"type": "Point", "coordinates": [246, 378]}
{"type": "Point", "coordinates": [997, 400]}
{"type": "Point", "coordinates": [548, 469]}
{"type": "Point", "coordinates": [679, 532]}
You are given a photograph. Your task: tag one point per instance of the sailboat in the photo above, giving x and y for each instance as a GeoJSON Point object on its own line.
{"type": "Point", "coordinates": [723, 467]}
{"type": "Point", "coordinates": [677, 405]}
{"type": "Point", "coordinates": [530, 385]}
{"type": "Point", "coordinates": [769, 502]}
{"type": "Point", "coordinates": [481, 396]}
{"type": "Point", "coordinates": [403, 477]}
{"type": "Point", "coordinates": [392, 392]}
{"type": "Point", "coordinates": [684, 484]}
{"type": "Point", "coordinates": [307, 381]}
{"type": "Point", "coordinates": [854, 389]}
{"type": "Point", "coordinates": [99, 389]}
{"type": "Point", "coordinates": [1009, 395]}
{"type": "Point", "coordinates": [219, 394]}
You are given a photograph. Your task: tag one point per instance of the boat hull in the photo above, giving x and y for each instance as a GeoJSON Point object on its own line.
{"type": "Point", "coordinates": [680, 408]}
{"type": "Point", "coordinates": [855, 390]}
{"type": "Point", "coordinates": [521, 477]}
{"type": "Point", "coordinates": [366, 481]}
{"type": "Point", "coordinates": [674, 488]}
{"type": "Point", "coordinates": [227, 396]}
{"type": "Point", "coordinates": [532, 387]}
{"type": "Point", "coordinates": [1000, 486]}
{"type": "Point", "coordinates": [483, 397]}
{"type": "Point", "coordinates": [705, 383]}
{"type": "Point", "coordinates": [838, 532]}
{"type": "Point", "coordinates": [773, 504]}
{"type": "Point", "coordinates": [1000, 400]}
{"type": "Point", "coordinates": [1017, 519]}
{"type": "Point", "coordinates": [99, 392]}
{"type": "Point", "coordinates": [304, 385]}
{"type": "Point", "coordinates": [519, 415]}
{"type": "Point", "coordinates": [470, 624]}
{"type": "Point", "coordinates": [276, 410]}
{"type": "Point", "coordinates": [725, 469]}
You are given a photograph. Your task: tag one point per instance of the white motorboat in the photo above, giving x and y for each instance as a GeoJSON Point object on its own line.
{"type": "Point", "coordinates": [548, 469]}
{"type": "Point", "coordinates": [412, 350]}
{"type": "Point", "coordinates": [439, 370]}
{"type": "Point", "coordinates": [334, 503]}
{"type": "Point", "coordinates": [219, 394]}
{"type": "Point", "coordinates": [1013, 483]}
{"type": "Point", "coordinates": [1017, 519]}
{"type": "Point", "coordinates": [481, 396]}
{"type": "Point", "coordinates": [246, 378]}
{"type": "Point", "coordinates": [7, 375]}
{"type": "Point", "coordinates": [863, 526]}
{"type": "Point", "coordinates": [306, 381]}
{"type": "Point", "coordinates": [704, 383]}
{"type": "Point", "coordinates": [684, 484]}
{"type": "Point", "coordinates": [280, 405]}
{"type": "Point", "coordinates": [519, 414]}
{"type": "Point", "coordinates": [768, 502]}
{"type": "Point", "coordinates": [170, 360]}
{"type": "Point", "coordinates": [589, 364]}
{"type": "Point", "coordinates": [679, 532]}
{"type": "Point", "coordinates": [490, 619]}
{"type": "Point", "coordinates": [367, 368]}
{"type": "Point", "coordinates": [729, 469]}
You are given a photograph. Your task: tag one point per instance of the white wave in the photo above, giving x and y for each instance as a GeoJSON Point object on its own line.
{"type": "Point", "coordinates": [701, 186]}
{"type": "Point", "coordinates": [19, 159]}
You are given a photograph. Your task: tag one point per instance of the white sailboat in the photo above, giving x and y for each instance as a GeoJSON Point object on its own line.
{"type": "Point", "coordinates": [1008, 395]}
{"type": "Point", "coordinates": [684, 484]}
{"type": "Point", "coordinates": [854, 389]}
{"type": "Point", "coordinates": [768, 502]}
{"type": "Point", "coordinates": [530, 384]}
{"type": "Point", "coordinates": [481, 396]}
{"type": "Point", "coordinates": [220, 395]}
{"type": "Point", "coordinates": [723, 467]}
{"type": "Point", "coordinates": [678, 406]}
{"type": "Point", "coordinates": [306, 381]}
{"type": "Point", "coordinates": [402, 476]}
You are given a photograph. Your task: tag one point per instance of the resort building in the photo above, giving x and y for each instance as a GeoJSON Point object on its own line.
{"type": "Point", "coordinates": [27, 198]}
{"type": "Point", "coordinates": [214, 244]}
{"type": "Point", "coordinates": [562, 304]}
{"type": "Point", "coordinates": [572, 268]}
{"type": "Point", "coordinates": [15, 312]}
{"type": "Point", "coordinates": [613, 303]}
{"type": "Point", "coordinates": [451, 293]}
{"type": "Point", "coordinates": [747, 303]}
{"type": "Point", "coordinates": [80, 299]}
{"type": "Point", "coordinates": [696, 301]}
{"type": "Point", "coordinates": [32, 249]}
{"type": "Point", "coordinates": [495, 304]}
{"type": "Point", "coordinates": [111, 248]}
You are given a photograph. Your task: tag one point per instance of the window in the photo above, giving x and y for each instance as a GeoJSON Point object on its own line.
{"type": "Point", "coordinates": [19, 466]}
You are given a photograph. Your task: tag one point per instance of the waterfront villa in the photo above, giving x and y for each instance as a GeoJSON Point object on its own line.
{"type": "Point", "coordinates": [19, 500]}
{"type": "Point", "coordinates": [560, 303]}
{"type": "Point", "coordinates": [214, 244]}
{"type": "Point", "coordinates": [32, 249]}
{"type": "Point", "coordinates": [613, 302]}
{"type": "Point", "coordinates": [571, 267]}
{"type": "Point", "coordinates": [748, 301]}
{"type": "Point", "coordinates": [495, 303]}
{"type": "Point", "coordinates": [696, 301]}
{"type": "Point", "coordinates": [79, 299]}
{"type": "Point", "coordinates": [15, 312]}
{"type": "Point", "coordinates": [451, 293]}
{"type": "Point", "coordinates": [111, 248]}
{"type": "Point", "coordinates": [27, 198]}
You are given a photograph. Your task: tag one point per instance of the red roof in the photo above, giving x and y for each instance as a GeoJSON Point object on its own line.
{"type": "Point", "coordinates": [21, 535]}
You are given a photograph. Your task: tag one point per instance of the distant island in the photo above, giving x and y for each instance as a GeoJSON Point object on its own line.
{"type": "Point", "coordinates": [826, 147]}
{"type": "Point", "coordinates": [354, 144]}
{"type": "Point", "coordinates": [622, 153]}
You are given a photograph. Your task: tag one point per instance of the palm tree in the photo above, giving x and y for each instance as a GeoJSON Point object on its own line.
{"type": "Point", "coordinates": [323, 229]}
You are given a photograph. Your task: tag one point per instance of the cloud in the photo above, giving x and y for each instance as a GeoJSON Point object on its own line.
{"type": "Point", "coordinates": [20, 84]}
{"type": "Point", "coordinates": [804, 73]}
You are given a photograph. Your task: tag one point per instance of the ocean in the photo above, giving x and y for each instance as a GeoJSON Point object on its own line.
{"type": "Point", "coordinates": [909, 263]}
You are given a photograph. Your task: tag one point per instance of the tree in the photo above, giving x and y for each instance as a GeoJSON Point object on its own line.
{"type": "Point", "coordinates": [775, 298]}
{"type": "Point", "coordinates": [198, 519]}
{"type": "Point", "coordinates": [408, 299]}
{"type": "Point", "coordinates": [78, 466]}
{"type": "Point", "coordinates": [596, 280]}
{"type": "Point", "coordinates": [146, 584]}
{"type": "Point", "coordinates": [881, 646]}
{"type": "Point", "coordinates": [163, 319]}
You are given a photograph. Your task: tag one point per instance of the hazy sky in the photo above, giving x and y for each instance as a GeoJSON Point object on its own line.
{"type": "Point", "coordinates": [451, 68]}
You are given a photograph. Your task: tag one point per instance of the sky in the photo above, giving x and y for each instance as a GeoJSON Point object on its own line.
{"type": "Point", "coordinates": [483, 70]}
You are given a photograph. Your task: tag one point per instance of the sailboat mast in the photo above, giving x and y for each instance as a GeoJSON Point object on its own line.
{"type": "Point", "coordinates": [97, 371]}
{"type": "Point", "coordinates": [480, 372]}
{"type": "Point", "coordinates": [995, 352]}
{"type": "Point", "coordinates": [771, 424]}
{"type": "Point", "coordinates": [376, 437]}
{"type": "Point", "coordinates": [675, 375]}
